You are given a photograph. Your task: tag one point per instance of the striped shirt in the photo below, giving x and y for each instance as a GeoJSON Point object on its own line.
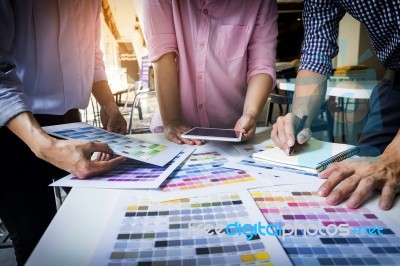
{"type": "Point", "coordinates": [321, 22]}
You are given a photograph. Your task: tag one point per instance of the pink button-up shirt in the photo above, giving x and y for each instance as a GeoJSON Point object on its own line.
{"type": "Point", "coordinates": [220, 45]}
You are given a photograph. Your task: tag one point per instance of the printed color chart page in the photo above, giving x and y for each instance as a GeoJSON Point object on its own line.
{"type": "Point", "coordinates": [203, 174]}
{"type": "Point", "coordinates": [320, 234]}
{"type": "Point", "coordinates": [189, 231]}
{"type": "Point", "coordinates": [129, 174]}
{"type": "Point", "coordinates": [277, 174]}
{"type": "Point", "coordinates": [148, 152]}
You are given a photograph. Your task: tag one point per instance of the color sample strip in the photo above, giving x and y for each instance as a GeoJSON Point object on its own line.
{"type": "Point", "coordinates": [169, 233]}
{"type": "Point", "coordinates": [203, 173]}
{"type": "Point", "coordinates": [129, 174]}
{"type": "Point", "coordinates": [327, 246]}
{"type": "Point", "coordinates": [148, 152]}
{"type": "Point", "coordinates": [277, 174]}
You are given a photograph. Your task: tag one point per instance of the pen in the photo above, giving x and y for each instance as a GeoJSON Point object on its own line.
{"type": "Point", "coordinates": [299, 128]}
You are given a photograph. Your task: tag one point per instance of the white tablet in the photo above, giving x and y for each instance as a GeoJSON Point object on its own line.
{"type": "Point", "coordinates": [213, 134]}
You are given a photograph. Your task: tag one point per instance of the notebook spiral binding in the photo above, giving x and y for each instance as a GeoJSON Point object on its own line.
{"type": "Point", "coordinates": [337, 158]}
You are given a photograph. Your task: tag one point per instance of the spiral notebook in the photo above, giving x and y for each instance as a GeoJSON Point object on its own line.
{"type": "Point", "coordinates": [314, 156]}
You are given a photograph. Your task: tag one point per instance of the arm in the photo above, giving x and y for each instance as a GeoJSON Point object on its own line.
{"type": "Point", "coordinates": [111, 117]}
{"type": "Point", "coordinates": [308, 98]}
{"type": "Point", "coordinates": [261, 67]}
{"type": "Point", "coordinates": [167, 88]}
{"type": "Point", "coordinates": [69, 155]}
{"type": "Point", "coordinates": [358, 177]}
{"type": "Point", "coordinates": [257, 93]}
{"type": "Point", "coordinates": [321, 22]}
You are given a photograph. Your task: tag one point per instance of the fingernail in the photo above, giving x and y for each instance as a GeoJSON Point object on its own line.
{"type": "Point", "coordinates": [322, 192]}
{"type": "Point", "coordinates": [290, 143]}
{"type": "Point", "coordinates": [384, 205]}
{"type": "Point", "coordinates": [301, 138]}
{"type": "Point", "coordinates": [331, 199]}
{"type": "Point", "coordinates": [353, 202]}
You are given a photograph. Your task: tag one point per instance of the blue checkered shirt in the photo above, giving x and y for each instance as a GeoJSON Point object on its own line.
{"type": "Point", "coordinates": [321, 21]}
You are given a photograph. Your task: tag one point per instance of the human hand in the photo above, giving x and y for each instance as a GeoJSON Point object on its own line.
{"type": "Point", "coordinates": [247, 125]}
{"type": "Point", "coordinates": [175, 129]}
{"type": "Point", "coordinates": [358, 177]}
{"type": "Point", "coordinates": [75, 157]}
{"type": "Point", "coordinates": [112, 119]}
{"type": "Point", "coordinates": [283, 132]}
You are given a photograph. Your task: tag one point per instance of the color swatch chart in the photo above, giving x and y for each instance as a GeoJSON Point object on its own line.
{"type": "Point", "coordinates": [173, 233]}
{"type": "Point", "coordinates": [277, 174]}
{"type": "Point", "coordinates": [128, 174]}
{"type": "Point", "coordinates": [148, 152]}
{"type": "Point", "coordinates": [203, 173]}
{"type": "Point", "coordinates": [333, 235]}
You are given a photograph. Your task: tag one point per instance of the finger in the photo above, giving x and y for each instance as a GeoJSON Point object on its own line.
{"type": "Point", "coordinates": [289, 132]}
{"type": "Point", "coordinates": [327, 172]}
{"type": "Point", "coordinates": [364, 188]}
{"type": "Point", "coordinates": [343, 190]}
{"type": "Point", "coordinates": [99, 147]}
{"type": "Point", "coordinates": [281, 134]}
{"type": "Point", "coordinates": [333, 180]}
{"type": "Point", "coordinates": [100, 167]}
{"type": "Point", "coordinates": [304, 136]}
{"type": "Point", "coordinates": [389, 191]}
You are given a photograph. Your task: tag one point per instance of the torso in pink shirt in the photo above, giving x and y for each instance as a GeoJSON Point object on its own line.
{"type": "Point", "coordinates": [220, 45]}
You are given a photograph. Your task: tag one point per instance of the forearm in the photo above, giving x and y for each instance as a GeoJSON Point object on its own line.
{"type": "Point", "coordinates": [29, 131]}
{"type": "Point", "coordinates": [102, 92]}
{"type": "Point", "coordinates": [259, 88]}
{"type": "Point", "coordinates": [167, 88]}
{"type": "Point", "coordinates": [309, 94]}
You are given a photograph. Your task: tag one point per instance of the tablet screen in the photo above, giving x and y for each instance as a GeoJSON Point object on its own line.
{"type": "Point", "coordinates": [213, 134]}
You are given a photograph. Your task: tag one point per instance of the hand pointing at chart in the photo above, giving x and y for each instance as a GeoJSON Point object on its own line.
{"type": "Point", "coordinates": [353, 180]}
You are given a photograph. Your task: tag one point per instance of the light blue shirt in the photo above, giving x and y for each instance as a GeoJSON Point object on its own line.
{"type": "Point", "coordinates": [49, 55]}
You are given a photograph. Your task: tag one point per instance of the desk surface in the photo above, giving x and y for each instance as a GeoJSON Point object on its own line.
{"type": "Point", "coordinates": [345, 89]}
{"type": "Point", "coordinates": [82, 222]}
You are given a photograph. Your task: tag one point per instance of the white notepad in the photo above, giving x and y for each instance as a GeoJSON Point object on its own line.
{"type": "Point", "coordinates": [314, 156]}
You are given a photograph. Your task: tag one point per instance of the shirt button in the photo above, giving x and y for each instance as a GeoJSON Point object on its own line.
{"type": "Point", "coordinates": [199, 77]}
{"type": "Point", "coordinates": [205, 11]}
{"type": "Point", "coordinates": [75, 49]}
{"type": "Point", "coordinates": [201, 106]}
{"type": "Point", "coordinates": [202, 45]}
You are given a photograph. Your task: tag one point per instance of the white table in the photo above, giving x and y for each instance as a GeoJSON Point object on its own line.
{"type": "Point", "coordinates": [346, 88]}
{"type": "Point", "coordinates": [78, 226]}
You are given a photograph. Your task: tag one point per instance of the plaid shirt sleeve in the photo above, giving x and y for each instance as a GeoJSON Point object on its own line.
{"type": "Point", "coordinates": [321, 22]}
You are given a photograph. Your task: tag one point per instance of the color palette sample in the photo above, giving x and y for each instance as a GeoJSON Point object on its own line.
{"type": "Point", "coordinates": [142, 232]}
{"type": "Point", "coordinates": [277, 174]}
{"type": "Point", "coordinates": [331, 244]}
{"type": "Point", "coordinates": [148, 152]}
{"type": "Point", "coordinates": [203, 174]}
{"type": "Point", "coordinates": [128, 174]}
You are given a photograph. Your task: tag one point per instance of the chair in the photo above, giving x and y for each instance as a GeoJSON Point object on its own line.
{"type": "Point", "coordinates": [319, 123]}
{"type": "Point", "coordinates": [140, 91]}
{"type": "Point", "coordinates": [4, 237]}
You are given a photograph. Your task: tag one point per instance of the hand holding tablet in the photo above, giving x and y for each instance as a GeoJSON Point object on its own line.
{"type": "Point", "coordinates": [213, 134]}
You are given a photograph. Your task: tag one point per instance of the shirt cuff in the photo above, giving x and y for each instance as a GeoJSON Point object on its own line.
{"type": "Point", "coordinates": [160, 45]}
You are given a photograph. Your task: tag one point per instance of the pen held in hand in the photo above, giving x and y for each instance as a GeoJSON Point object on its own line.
{"type": "Point", "coordinates": [299, 128]}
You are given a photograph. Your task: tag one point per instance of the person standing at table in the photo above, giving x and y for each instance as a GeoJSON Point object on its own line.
{"type": "Point", "coordinates": [381, 131]}
{"type": "Point", "coordinates": [214, 63]}
{"type": "Point", "coordinates": [50, 63]}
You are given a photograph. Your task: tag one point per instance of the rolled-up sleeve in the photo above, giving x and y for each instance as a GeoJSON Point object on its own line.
{"type": "Point", "coordinates": [13, 100]}
{"type": "Point", "coordinates": [321, 23]}
{"type": "Point", "coordinates": [263, 41]}
{"type": "Point", "coordinates": [159, 28]}
{"type": "Point", "coordinates": [99, 69]}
